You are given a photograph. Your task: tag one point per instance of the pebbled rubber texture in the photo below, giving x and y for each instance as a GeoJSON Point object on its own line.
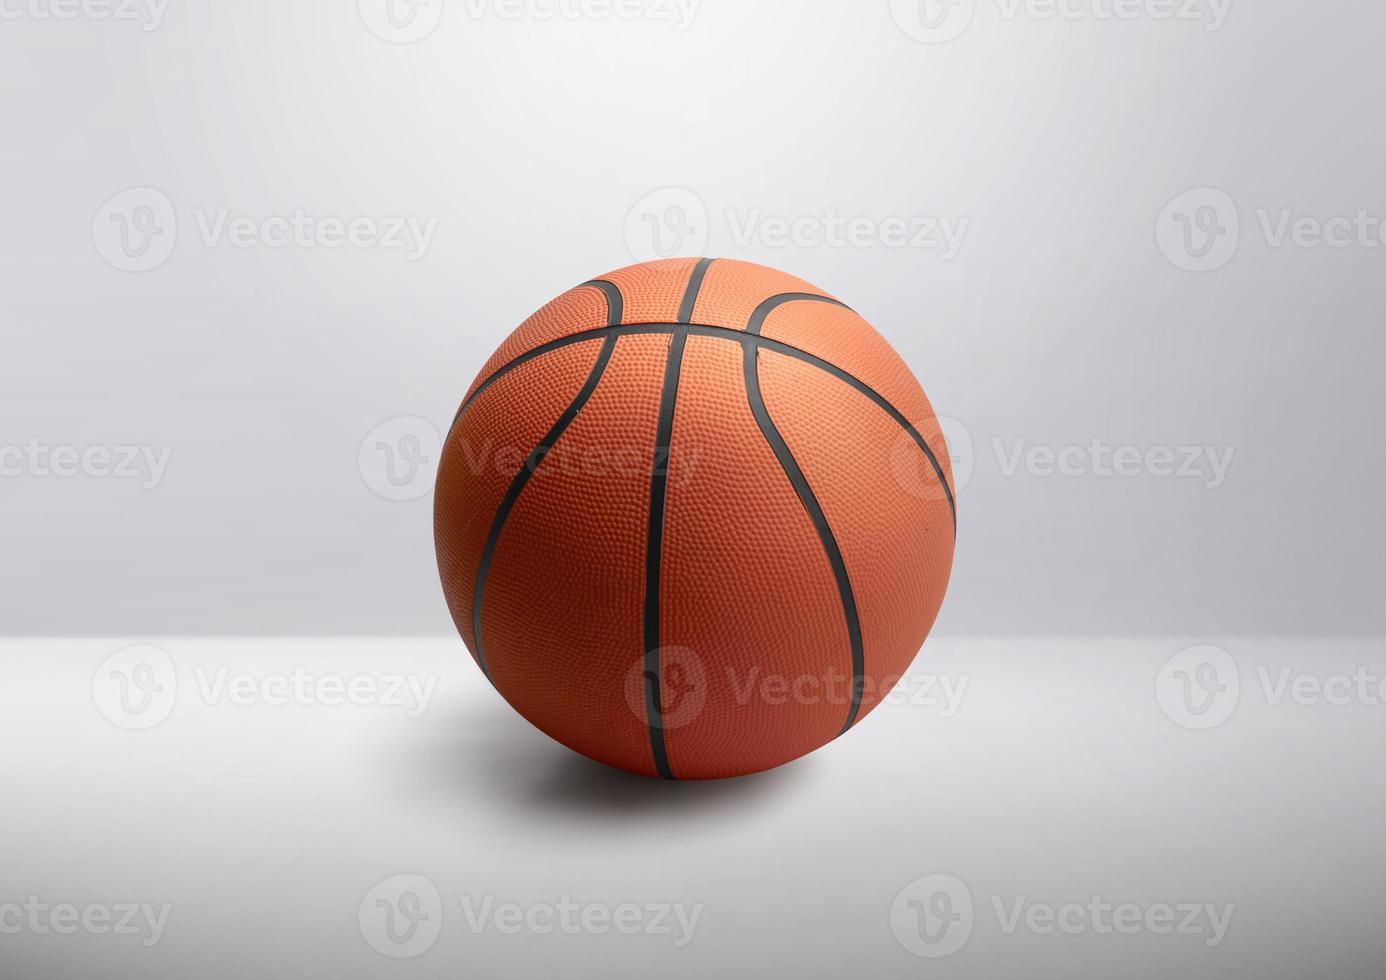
{"type": "Point", "coordinates": [562, 616]}
{"type": "Point", "coordinates": [728, 605]}
{"type": "Point", "coordinates": [747, 588]}
{"type": "Point", "coordinates": [896, 543]}
{"type": "Point", "coordinates": [583, 308]}
{"type": "Point", "coordinates": [733, 290]}
{"type": "Point", "coordinates": [482, 455]}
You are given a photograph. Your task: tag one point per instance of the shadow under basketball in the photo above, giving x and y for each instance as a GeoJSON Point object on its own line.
{"type": "Point", "coordinates": [502, 761]}
{"type": "Point", "coordinates": [572, 783]}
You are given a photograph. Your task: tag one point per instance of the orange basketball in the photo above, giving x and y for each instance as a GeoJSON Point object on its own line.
{"type": "Point", "coordinates": [695, 518]}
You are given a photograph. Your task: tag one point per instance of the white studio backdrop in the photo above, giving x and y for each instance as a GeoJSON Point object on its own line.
{"type": "Point", "coordinates": [254, 253]}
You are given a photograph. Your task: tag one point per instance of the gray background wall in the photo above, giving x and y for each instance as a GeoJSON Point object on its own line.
{"type": "Point", "coordinates": [1068, 314]}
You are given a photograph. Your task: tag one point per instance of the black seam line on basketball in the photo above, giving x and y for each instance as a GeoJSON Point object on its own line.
{"type": "Point", "coordinates": [757, 321]}
{"type": "Point", "coordinates": [654, 544]}
{"type": "Point", "coordinates": [763, 311]}
{"type": "Point", "coordinates": [654, 552]}
{"type": "Point", "coordinates": [615, 312]}
{"type": "Point", "coordinates": [740, 336]}
{"type": "Point", "coordinates": [615, 301]}
{"type": "Point", "coordinates": [517, 486]}
{"type": "Point", "coordinates": [807, 497]}
{"type": "Point", "coordinates": [695, 286]}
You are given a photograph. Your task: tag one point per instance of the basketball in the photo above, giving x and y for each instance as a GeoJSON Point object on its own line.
{"type": "Point", "coordinates": [694, 519]}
